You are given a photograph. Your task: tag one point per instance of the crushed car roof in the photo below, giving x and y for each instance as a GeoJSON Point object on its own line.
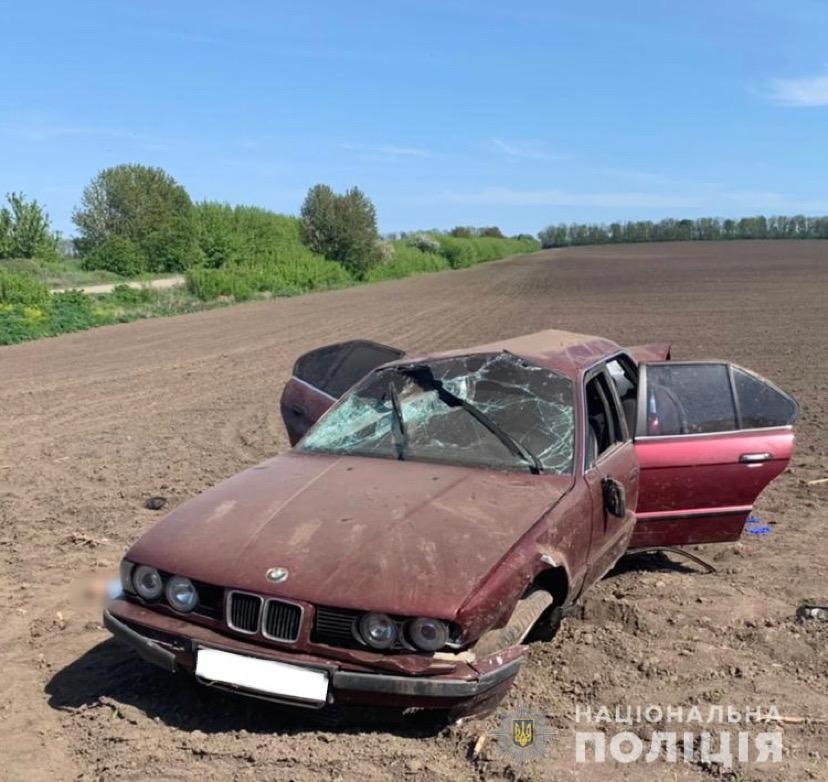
{"type": "Point", "coordinates": [562, 351]}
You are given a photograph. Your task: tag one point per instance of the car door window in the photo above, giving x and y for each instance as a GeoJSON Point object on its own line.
{"type": "Point", "coordinates": [604, 427]}
{"type": "Point", "coordinates": [689, 398]}
{"type": "Point", "coordinates": [760, 405]}
{"type": "Point", "coordinates": [624, 376]}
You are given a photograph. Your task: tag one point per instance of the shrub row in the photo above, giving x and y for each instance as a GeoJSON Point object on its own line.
{"type": "Point", "coordinates": [242, 282]}
{"type": "Point", "coordinates": [294, 269]}
{"type": "Point", "coordinates": [464, 252]}
{"type": "Point", "coordinates": [405, 261]}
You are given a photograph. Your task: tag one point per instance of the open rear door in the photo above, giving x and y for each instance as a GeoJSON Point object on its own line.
{"type": "Point", "coordinates": [323, 375]}
{"type": "Point", "coordinates": [709, 437]}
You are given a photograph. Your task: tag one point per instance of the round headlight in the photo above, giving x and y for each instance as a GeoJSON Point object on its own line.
{"type": "Point", "coordinates": [126, 576]}
{"type": "Point", "coordinates": [428, 634]}
{"type": "Point", "coordinates": [378, 630]}
{"type": "Point", "coordinates": [181, 594]}
{"type": "Point", "coordinates": [147, 582]}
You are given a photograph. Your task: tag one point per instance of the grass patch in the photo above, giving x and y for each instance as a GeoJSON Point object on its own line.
{"type": "Point", "coordinates": [73, 310]}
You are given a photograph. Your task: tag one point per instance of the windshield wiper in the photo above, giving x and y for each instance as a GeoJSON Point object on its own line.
{"type": "Point", "coordinates": [398, 417]}
{"type": "Point", "coordinates": [424, 377]}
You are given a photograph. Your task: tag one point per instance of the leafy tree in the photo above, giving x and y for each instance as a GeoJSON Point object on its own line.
{"type": "Point", "coordinates": [491, 231]}
{"type": "Point", "coordinates": [319, 219]}
{"type": "Point", "coordinates": [141, 204]}
{"type": "Point", "coordinates": [343, 228]}
{"type": "Point", "coordinates": [117, 254]}
{"type": "Point", "coordinates": [461, 232]}
{"type": "Point", "coordinates": [25, 231]}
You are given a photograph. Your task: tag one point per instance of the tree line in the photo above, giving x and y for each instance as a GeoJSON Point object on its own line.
{"type": "Point", "coordinates": [671, 230]}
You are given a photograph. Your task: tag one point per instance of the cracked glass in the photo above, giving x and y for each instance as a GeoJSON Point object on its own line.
{"type": "Point", "coordinates": [395, 414]}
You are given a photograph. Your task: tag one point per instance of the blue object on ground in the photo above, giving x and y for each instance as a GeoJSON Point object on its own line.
{"type": "Point", "coordinates": [755, 526]}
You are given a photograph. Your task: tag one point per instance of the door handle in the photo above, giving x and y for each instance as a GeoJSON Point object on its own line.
{"type": "Point", "coordinates": [298, 410]}
{"type": "Point", "coordinates": [755, 458]}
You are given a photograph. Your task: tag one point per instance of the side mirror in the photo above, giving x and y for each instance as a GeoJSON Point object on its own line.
{"type": "Point", "coordinates": [615, 497]}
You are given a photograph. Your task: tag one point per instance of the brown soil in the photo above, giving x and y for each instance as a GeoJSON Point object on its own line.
{"type": "Point", "coordinates": [94, 423]}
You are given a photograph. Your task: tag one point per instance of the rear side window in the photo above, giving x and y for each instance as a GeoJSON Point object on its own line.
{"type": "Point", "coordinates": [760, 404]}
{"type": "Point", "coordinates": [699, 398]}
{"type": "Point", "coordinates": [689, 399]}
{"type": "Point", "coordinates": [335, 368]}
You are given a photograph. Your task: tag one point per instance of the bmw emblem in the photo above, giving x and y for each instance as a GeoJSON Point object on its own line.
{"type": "Point", "coordinates": [276, 575]}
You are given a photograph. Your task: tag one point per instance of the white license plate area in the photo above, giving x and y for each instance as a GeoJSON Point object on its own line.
{"type": "Point", "coordinates": [264, 676]}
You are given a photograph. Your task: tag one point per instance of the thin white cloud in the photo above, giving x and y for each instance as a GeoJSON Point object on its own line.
{"type": "Point", "coordinates": [386, 152]}
{"type": "Point", "coordinates": [530, 150]}
{"type": "Point", "coordinates": [393, 151]}
{"type": "Point", "coordinates": [808, 91]}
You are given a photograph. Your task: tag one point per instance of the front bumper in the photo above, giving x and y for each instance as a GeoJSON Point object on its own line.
{"type": "Point", "coordinates": [465, 686]}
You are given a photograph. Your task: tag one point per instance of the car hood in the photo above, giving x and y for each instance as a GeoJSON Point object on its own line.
{"type": "Point", "coordinates": [375, 534]}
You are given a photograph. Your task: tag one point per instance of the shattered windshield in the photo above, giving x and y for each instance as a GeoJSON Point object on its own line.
{"type": "Point", "coordinates": [526, 415]}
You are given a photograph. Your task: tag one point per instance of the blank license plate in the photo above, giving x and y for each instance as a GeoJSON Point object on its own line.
{"type": "Point", "coordinates": [265, 676]}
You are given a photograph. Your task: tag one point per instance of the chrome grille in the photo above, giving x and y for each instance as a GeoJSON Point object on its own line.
{"type": "Point", "coordinates": [282, 621]}
{"type": "Point", "coordinates": [244, 612]}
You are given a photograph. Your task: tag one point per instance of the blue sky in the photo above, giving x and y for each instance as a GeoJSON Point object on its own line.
{"type": "Point", "coordinates": [515, 114]}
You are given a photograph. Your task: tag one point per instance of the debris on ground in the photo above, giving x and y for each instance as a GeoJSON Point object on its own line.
{"type": "Point", "coordinates": [810, 610]}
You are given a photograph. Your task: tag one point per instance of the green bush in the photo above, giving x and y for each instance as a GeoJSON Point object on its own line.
{"type": "Point", "coordinates": [127, 296]}
{"type": "Point", "coordinates": [458, 252]}
{"type": "Point", "coordinates": [19, 323]}
{"type": "Point", "coordinates": [119, 255]}
{"type": "Point", "coordinates": [424, 242]}
{"type": "Point", "coordinates": [57, 314]}
{"type": "Point", "coordinates": [72, 311]}
{"type": "Point", "coordinates": [217, 233]}
{"type": "Point", "coordinates": [464, 252]}
{"type": "Point", "coordinates": [22, 289]}
{"type": "Point", "coordinates": [230, 235]}
{"type": "Point", "coordinates": [289, 277]}
{"type": "Point", "coordinates": [407, 260]}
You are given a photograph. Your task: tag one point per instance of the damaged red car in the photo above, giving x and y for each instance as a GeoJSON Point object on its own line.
{"type": "Point", "coordinates": [435, 509]}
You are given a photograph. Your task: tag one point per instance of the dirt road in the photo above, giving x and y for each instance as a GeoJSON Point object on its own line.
{"type": "Point", "coordinates": [108, 287]}
{"type": "Point", "coordinates": [95, 422]}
